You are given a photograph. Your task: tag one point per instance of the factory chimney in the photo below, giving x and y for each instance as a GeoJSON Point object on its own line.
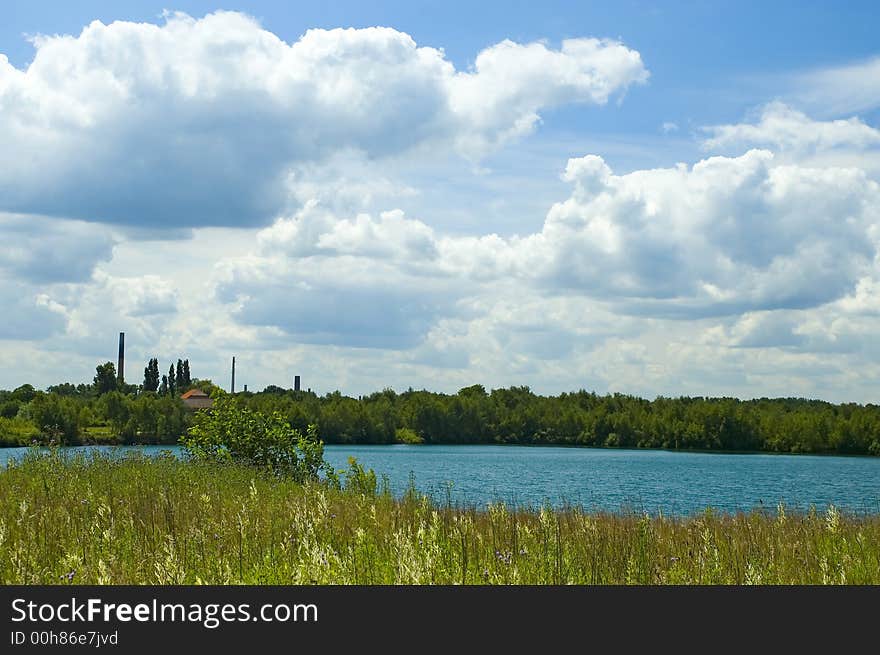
{"type": "Point", "coordinates": [296, 383]}
{"type": "Point", "coordinates": [120, 367]}
{"type": "Point", "coordinates": [233, 375]}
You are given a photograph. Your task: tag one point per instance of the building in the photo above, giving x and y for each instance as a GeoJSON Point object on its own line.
{"type": "Point", "coordinates": [196, 399]}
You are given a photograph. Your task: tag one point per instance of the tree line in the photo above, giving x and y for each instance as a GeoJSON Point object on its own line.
{"type": "Point", "coordinates": [177, 380]}
{"type": "Point", "coordinates": [154, 413]}
{"type": "Point", "coordinates": [516, 415]}
{"type": "Point", "coordinates": [106, 411]}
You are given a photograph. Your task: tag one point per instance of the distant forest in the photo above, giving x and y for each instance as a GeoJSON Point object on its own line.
{"type": "Point", "coordinates": [107, 412]}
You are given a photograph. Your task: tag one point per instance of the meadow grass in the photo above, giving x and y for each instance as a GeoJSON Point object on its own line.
{"type": "Point", "coordinates": [99, 519]}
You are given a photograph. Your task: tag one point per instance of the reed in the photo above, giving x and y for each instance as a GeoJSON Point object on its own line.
{"type": "Point", "coordinates": [99, 519]}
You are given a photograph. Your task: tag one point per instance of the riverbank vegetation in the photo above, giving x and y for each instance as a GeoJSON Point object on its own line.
{"type": "Point", "coordinates": [95, 519]}
{"type": "Point", "coordinates": [72, 414]}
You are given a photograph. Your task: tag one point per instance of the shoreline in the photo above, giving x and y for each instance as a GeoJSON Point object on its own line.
{"type": "Point", "coordinates": [697, 451]}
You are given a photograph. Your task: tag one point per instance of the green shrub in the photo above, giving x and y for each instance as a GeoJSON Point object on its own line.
{"type": "Point", "coordinates": [229, 432]}
{"type": "Point", "coordinates": [408, 436]}
{"type": "Point", "coordinates": [17, 432]}
{"type": "Point", "coordinates": [359, 480]}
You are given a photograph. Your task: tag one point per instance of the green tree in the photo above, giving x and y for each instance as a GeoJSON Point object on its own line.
{"type": "Point", "coordinates": [105, 378]}
{"type": "Point", "coordinates": [230, 432]}
{"type": "Point", "coordinates": [187, 380]}
{"type": "Point", "coordinates": [151, 375]}
{"type": "Point", "coordinates": [56, 417]}
{"type": "Point", "coordinates": [24, 394]}
{"type": "Point", "coordinates": [172, 380]}
{"type": "Point", "coordinates": [117, 409]}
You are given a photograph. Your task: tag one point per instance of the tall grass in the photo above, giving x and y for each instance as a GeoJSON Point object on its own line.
{"type": "Point", "coordinates": [140, 520]}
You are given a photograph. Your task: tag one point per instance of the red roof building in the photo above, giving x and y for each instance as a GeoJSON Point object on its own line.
{"type": "Point", "coordinates": [197, 399]}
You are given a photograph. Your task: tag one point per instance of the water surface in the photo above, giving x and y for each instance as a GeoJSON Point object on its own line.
{"type": "Point", "coordinates": [610, 480]}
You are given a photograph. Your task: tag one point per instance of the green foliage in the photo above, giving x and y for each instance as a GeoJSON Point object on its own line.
{"type": "Point", "coordinates": [57, 418]}
{"type": "Point", "coordinates": [17, 431]}
{"type": "Point", "coordinates": [517, 415]}
{"type": "Point", "coordinates": [9, 408]}
{"type": "Point", "coordinates": [407, 435]}
{"type": "Point", "coordinates": [151, 375]}
{"type": "Point", "coordinates": [359, 480]}
{"type": "Point", "coordinates": [229, 432]}
{"type": "Point", "coordinates": [98, 519]}
{"type": "Point", "coordinates": [474, 415]}
{"type": "Point", "coordinates": [105, 378]}
{"type": "Point", "coordinates": [23, 394]}
{"type": "Point", "coordinates": [69, 389]}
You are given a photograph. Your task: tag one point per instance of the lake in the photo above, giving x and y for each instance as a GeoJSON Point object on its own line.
{"type": "Point", "coordinates": [610, 480]}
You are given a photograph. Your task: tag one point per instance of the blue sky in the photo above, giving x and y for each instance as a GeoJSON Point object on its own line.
{"type": "Point", "coordinates": [675, 198]}
{"type": "Point", "coordinates": [709, 60]}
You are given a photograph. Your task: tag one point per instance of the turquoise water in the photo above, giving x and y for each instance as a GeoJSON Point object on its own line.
{"type": "Point", "coordinates": [611, 480]}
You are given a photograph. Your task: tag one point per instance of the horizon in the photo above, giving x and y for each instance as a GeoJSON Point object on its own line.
{"type": "Point", "coordinates": [488, 390]}
{"type": "Point", "coordinates": [654, 201]}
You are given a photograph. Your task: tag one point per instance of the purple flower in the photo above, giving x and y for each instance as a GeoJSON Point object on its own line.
{"type": "Point", "coordinates": [504, 557]}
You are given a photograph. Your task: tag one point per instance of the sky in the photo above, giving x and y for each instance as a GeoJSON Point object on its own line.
{"type": "Point", "coordinates": [675, 199]}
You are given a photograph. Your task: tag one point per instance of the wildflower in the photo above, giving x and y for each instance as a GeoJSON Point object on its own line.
{"type": "Point", "coordinates": [505, 558]}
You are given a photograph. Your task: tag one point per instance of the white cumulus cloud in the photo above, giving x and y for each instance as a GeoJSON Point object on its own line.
{"type": "Point", "coordinates": [782, 127]}
{"type": "Point", "coordinates": [200, 121]}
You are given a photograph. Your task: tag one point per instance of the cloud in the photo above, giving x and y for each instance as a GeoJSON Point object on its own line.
{"type": "Point", "coordinates": [200, 122]}
{"type": "Point", "coordinates": [29, 315]}
{"type": "Point", "coordinates": [837, 90]}
{"type": "Point", "coordinates": [43, 250]}
{"type": "Point", "coordinates": [317, 231]}
{"type": "Point", "coordinates": [784, 128]}
{"type": "Point", "coordinates": [361, 282]}
{"type": "Point", "coordinates": [725, 236]}
{"type": "Point", "coordinates": [510, 83]}
{"type": "Point", "coordinates": [668, 127]}
{"type": "Point", "coordinates": [845, 326]}
{"type": "Point", "coordinates": [142, 296]}
{"type": "Point", "coordinates": [348, 302]}
{"type": "Point", "coordinates": [766, 330]}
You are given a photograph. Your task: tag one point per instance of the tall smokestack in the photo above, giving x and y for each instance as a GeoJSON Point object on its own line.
{"type": "Point", "coordinates": [296, 383]}
{"type": "Point", "coordinates": [120, 368]}
{"type": "Point", "coordinates": [233, 375]}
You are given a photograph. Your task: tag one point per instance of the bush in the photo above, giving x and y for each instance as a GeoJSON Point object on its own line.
{"type": "Point", "coordinates": [17, 432]}
{"type": "Point", "coordinates": [229, 432]}
{"type": "Point", "coordinates": [360, 480]}
{"type": "Point", "coordinates": [407, 436]}
{"type": "Point", "coordinates": [56, 417]}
